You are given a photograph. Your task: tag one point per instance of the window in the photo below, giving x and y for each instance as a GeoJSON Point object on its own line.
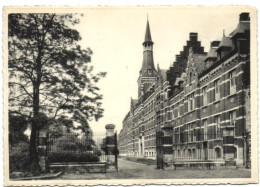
{"type": "Point", "coordinates": [204, 123]}
{"type": "Point", "coordinates": [232, 82]}
{"type": "Point", "coordinates": [232, 118]}
{"type": "Point", "coordinates": [181, 84]}
{"type": "Point", "coordinates": [193, 153]}
{"type": "Point", "coordinates": [177, 111]}
{"type": "Point", "coordinates": [194, 135]}
{"type": "Point", "coordinates": [172, 109]}
{"type": "Point", "coordinates": [218, 152]}
{"type": "Point", "coordinates": [191, 102]}
{"type": "Point", "coordinates": [189, 153]}
{"type": "Point", "coordinates": [217, 123]}
{"type": "Point", "coordinates": [217, 91]}
{"type": "Point", "coordinates": [189, 133]}
{"type": "Point", "coordinates": [169, 116]}
{"type": "Point", "coordinates": [204, 96]}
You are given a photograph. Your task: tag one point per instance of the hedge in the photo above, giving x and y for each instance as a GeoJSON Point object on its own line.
{"type": "Point", "coordinates": [71, 156]}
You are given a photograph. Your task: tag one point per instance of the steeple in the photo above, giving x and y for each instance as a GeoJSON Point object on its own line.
{"type": "Point", "coordinates": [148, 71]}
{"type": "Point", "coordinates": [147, 37]}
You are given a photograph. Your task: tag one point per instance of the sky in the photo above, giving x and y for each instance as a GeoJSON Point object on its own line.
{"type": "Point", "coordinates": [115, 36]}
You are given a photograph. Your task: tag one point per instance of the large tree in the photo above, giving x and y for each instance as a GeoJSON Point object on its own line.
{"type": "Point", "coordinates": [50, 73]}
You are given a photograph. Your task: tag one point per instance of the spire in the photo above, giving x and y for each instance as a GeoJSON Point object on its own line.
{"type": "Point", "coordinates": [147, 32]}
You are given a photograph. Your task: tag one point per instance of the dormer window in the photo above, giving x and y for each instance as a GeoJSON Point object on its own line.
{"type": "Point", "coordinates": [149, 71]}
{"type": "Point", "coordinates": [181, 84]}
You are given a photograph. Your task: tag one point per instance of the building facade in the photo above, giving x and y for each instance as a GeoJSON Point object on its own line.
{"type": "Point", "coordinates": [201, 103]}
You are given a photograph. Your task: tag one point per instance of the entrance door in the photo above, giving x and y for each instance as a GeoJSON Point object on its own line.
{"type": "Point", "coordinates": [205, 150]}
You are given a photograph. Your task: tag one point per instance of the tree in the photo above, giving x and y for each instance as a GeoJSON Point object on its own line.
{"type": "Point", "coordinates": [17, 127]}
{"type": "Point", "coordinates": [50, 73]}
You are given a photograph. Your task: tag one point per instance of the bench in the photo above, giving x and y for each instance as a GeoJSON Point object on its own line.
{"type": "Point", "coordinates": [208, 164]}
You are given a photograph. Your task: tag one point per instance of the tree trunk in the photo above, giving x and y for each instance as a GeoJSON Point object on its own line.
{"type": "Point", "coordinates": [34, 160]}
{"type": "Point", "coordinates": [33, 154]}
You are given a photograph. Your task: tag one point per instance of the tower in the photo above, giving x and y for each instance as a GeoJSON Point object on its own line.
{"type": "Point", "coordinates": [147, 73]}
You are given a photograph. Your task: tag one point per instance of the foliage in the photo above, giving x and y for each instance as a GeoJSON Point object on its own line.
{"type": "Point", "coordinates": [17, 127]}
{"type": "Point", "coordinates": [72, 156]}
{"type": "Point", "coordinates": [43, 52]}
{"type": "Point", "coordinates": [50, 73]}
{"type": "Point", "coordinates": [71, 142]}
{"type": "Point", "coordinates": [18, 157]}
{"type": "Point", "coordinates": [72, 148]}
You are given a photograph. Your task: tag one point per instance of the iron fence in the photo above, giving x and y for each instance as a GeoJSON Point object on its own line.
{"type": "Point", "coordinates": [74, 147]}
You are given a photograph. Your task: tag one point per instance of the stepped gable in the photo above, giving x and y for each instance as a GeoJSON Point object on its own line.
{"type": "Point", "coordinates": [199, 62]}
{"type": "Point", "coordinates": [180, 63]}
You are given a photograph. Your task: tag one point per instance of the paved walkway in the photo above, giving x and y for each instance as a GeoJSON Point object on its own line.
{"type": "Point", "coordinates": [133, 170]}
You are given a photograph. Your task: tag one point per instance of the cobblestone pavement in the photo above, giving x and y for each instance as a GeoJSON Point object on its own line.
{"type": "Point", "coordinates": [133, 170]}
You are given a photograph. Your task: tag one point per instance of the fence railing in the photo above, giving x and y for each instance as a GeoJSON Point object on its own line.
{"type": "Point", "coordinates": [74, 147]}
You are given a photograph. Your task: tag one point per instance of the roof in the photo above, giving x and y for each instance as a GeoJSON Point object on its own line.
{"type": "Point", "coordinates": [241, 28]}
{"type": "Point", "coordinates": [163, 73]}
{"type": "Point", "coordinates": [212, 51]}
{"type": "Point", "coordinates": [225, 42]}
{"type": "Point", "coordinates": [135, 101]}
{"type": "Point", "coordinates": [148, 36]}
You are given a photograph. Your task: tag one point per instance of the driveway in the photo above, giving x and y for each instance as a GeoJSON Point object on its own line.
{"type": "Point", "coordinates": [133, 170]}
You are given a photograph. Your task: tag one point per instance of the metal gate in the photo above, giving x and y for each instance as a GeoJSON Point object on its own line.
{"type": "Point", "coordinates": [159, 150]}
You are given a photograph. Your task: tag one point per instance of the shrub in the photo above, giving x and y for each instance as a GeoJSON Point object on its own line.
{"type": "Point", "coordinates": [19, 157]}
{"type": "Point", "coordinates": [71, 156]}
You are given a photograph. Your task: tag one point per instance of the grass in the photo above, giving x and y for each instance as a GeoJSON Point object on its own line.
{"type": "Point", "coordinates": [146, 161]}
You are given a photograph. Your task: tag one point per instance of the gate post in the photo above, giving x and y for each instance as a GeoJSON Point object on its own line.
{"type": "Point", "coordinates": [42, 148]}
{"type": "Point", "coordinates": [116, 151]}
{"type": "Point", "coordinates": [167, 144]}
{"type": "Point", "coordinates": [111, 145]}
{"type": "Point", "coordinates": [159, 150]}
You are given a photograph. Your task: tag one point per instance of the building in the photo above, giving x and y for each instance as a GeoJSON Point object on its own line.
{"type": "Point", "coordinates": [201, 103]}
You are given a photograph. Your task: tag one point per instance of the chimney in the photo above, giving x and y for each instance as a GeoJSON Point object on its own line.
{"type": "Point", "coordinates": [244, 16]}
{"type": "Point", "coordinates": [193, 36]}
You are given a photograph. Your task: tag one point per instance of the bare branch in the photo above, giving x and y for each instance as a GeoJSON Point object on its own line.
{"type": "Point", "coordinates": [22, 86]}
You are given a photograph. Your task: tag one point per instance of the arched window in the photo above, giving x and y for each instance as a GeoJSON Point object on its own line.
{"type": "Point", "coordinates": [193, 153]}
{"type": "Point", "coordinates": [189, 153]}
{"type": "Point", "coordinates": [218, 152]}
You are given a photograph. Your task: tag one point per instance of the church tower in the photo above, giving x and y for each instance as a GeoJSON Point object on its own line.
{"type": "Point", "coordinates": [148, 72]}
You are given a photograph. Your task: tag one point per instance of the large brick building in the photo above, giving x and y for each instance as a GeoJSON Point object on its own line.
{"type": "Point", "coordinates": [201, 103]}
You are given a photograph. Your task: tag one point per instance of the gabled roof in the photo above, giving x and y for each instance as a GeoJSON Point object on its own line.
{"type": "Point", "coordinates": [212, 51]}
{"type": "Point", "coordinates": [225, 42]}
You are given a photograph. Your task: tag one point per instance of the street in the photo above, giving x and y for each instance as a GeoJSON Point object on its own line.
{"type": "Point", "coordinates": [133, 170]}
